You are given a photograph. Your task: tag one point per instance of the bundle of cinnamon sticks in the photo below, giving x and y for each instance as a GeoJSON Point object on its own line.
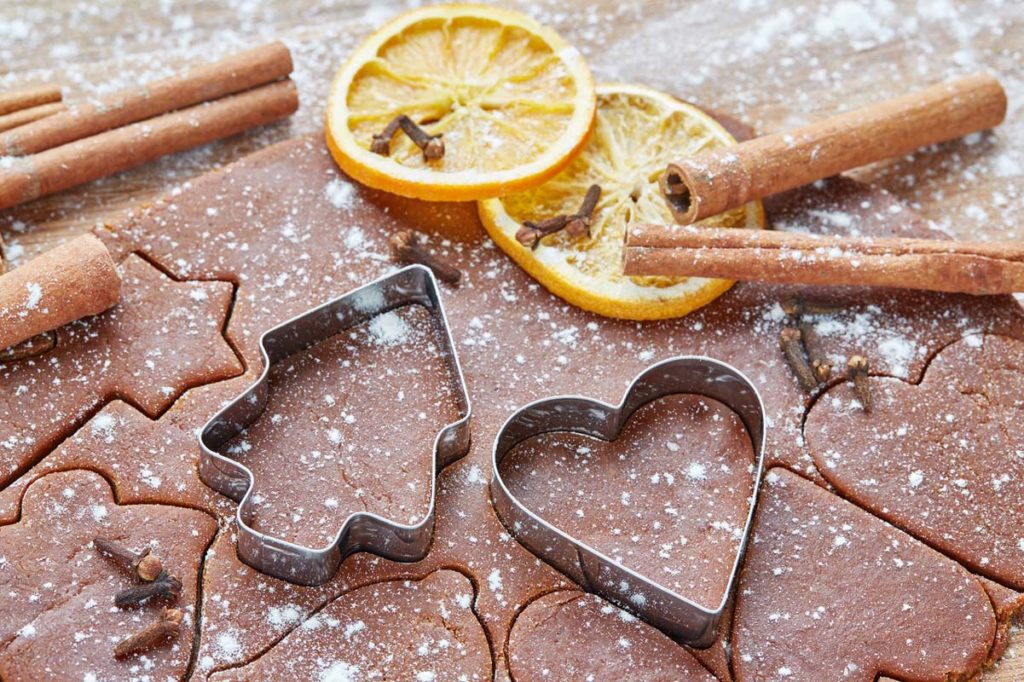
{"type": "Point", "coordinates": [22, 106]}
{"type": "Point", "coordinates": [796, 258]}
{"type": "Point", "coordinates": [723, 179]}
{"type": "Point", "coordinates": [68, 147]}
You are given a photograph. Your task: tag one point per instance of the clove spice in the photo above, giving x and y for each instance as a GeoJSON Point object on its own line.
{"type": "Point", "coordinates": [382, 141]}
{"type": "Point", "coordinates": [798, 307]}
{"type": "Point", "coordinates": [531, 232]}
{"type": "Point", "coordinates": [579, 224]}
{"type": "Point", "coordinates": [858, 367]}
{"type": "Point", "coordinates": [812, 344]}
{"type": "Point", "coordinates": [407, 248]}
{"type": "Point", "coordinates": [432, 146]}
{"type": "Point", "coordinates": [793, 351]}
{"type": "Point", "coordinates": [165, 586]}
{"type": "Point", "coordinates": [576, 224]}
{"type": "Point", "coordinates": [159, 631]}
{"type": "Point", "coordinates": [145, 565]}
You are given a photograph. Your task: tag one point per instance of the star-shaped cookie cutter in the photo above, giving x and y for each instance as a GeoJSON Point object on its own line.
{"type": "Point", "coordinates": [671, 612]}
{"type": "Point", "coordinates": [361, 531]}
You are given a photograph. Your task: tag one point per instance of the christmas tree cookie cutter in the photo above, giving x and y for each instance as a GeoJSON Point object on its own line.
{"type": "Point", "coordinates": [671, 612]}
{"type": "Point", "coordinates": [360, 531]}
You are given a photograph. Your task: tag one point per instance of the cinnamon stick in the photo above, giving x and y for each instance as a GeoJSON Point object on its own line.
{"type": "Point", "coordinates": [72, 281]}
{"type": "Point", "coordinates": [26, 178]}
{"type": "Point", "coordinates": [22, 117]}
{"type": "Point", "coordinates": [230, 75]}
{"type": "Point", "coordinates": [31, 96]}
{"type": "Point", "coordinates": [795, 258]}
{"type": "Point", "coordinates": [717, 181]}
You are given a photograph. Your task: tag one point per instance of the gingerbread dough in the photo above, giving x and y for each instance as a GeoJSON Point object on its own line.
{"type": "Point", "coordinates": [830, 592]}
{"type": "Point", "coordinates": [161, 339]}
{"type": "Point", "coordinates": [566, 636]}
{"type": "Point", "coordinates": [396, 630]}
{"type": "Point", "coordinates": [668, 498]}
{"type": "Point", "coordinates": [57, 618]}
{"type": "Point", "coordinates": [943, 460]}
{"type": "Point", "coordinates": [154, 463]}
{"type": "Point", "coordinates": [290, 250]}
{"type": "Point", "coordinates": [353, 422]}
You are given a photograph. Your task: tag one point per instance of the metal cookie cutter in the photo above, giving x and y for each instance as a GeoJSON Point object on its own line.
{"type": "Point", "coordinates": [361, 531]}
{"type": "Point", "coordinates": [667, 610]}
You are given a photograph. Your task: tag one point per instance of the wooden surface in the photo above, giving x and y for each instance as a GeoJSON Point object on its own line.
{"type": "Point", "coordinates": [773, 63]}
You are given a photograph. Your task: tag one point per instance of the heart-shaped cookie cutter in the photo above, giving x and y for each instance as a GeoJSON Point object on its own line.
{"type": "Point", "coordinates": [667, 610]}
{"type": "Point", "coordinates": [361, 531]}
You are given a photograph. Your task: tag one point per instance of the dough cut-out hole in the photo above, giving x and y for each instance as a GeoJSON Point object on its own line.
{"type": "Point", "coordinates": [352, 420]}
{"type": "Point", "coordinates": [668, 498]}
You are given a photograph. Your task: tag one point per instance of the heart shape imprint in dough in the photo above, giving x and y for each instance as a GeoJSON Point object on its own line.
{"type": "Point", "coordinates": [943, 460]}
{"type": "Point", "coordinates": [644, 503]}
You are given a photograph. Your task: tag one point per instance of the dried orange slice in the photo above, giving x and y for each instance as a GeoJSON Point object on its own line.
{"type": "Point", "coordinates": [513, 101]}
{"type": "Point", "coordinates": [638, 131]}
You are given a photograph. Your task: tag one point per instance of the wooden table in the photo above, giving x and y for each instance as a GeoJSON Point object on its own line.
{"type": "Point", "coordinates": [773, 63]}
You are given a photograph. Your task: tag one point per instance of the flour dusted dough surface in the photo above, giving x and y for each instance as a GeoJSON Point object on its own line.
{"type": "Point", "coordinates": [59, 620]}
{"type": "Point", "coordinates": [287, 250]}
{"type": "Point", "coordinates": [516, 343]}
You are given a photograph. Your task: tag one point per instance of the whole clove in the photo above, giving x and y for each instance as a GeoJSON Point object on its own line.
{"type": "Point", "coordinates": [156, 633]}
{"type": "Point", "coordinates": [166, 586]}
{"type": "Point", "coordinates": [576, 224]}
{"type": "Point", "coordinates": [857, 368]}
{"type": "Point", "coordinates": [531, 232]}
{"type": "Point", "coordinates": [579, 224]}
{"type": "Point", "coordinates": [145, 565]}
{"type": "Point", "coordinates": [432, 146]}
{"type": "Point", "coordinates": [793, 351]}
{"type": "Point", "coordinates": [798, 307]}
{"type": "Point", "coordinates": [407, 248]}
{"type": "Point", "coordinates": [820, 364]}
{"type": "Point", "coordinates": [382, 141]}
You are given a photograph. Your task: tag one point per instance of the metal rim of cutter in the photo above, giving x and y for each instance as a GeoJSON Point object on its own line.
{"type": "Point", "coordinates": [669, 611]}
{"type": "Point", "coordinates": [360, 531]}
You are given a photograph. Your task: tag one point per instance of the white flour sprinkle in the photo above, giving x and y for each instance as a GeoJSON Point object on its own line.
{"type": "Point", "coordinates": [280, 616]}
{"type": "Point", "coordinates": [695, 471]}
{"type": "Point", "coordinates": [103, 425]}
{"type": "Point", "coordinates": [389, 329]}
{"type": "Point", "coordinates": [35, 295]}
{"type": "Point", "coordinates": [339, 193]}
{"type": "Point", "coordinates": [494, 580]}
{"type": "Point", "coordinates": [354, 628]}
{"type": "Point", "coordinates": [340, 672]}
{"type": "Point", "coordinates": [228, 646]}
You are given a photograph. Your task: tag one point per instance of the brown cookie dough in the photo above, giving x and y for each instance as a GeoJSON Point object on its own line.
{"type": "Point", "coordinates": [943, 460]}
{"type": "Point", "coordinates": [397, 630]}
{"type": "Point", "coordinates": [1008, 604]}
{"type": "Point", "coordinates": [517, 343]}
{"type": "Point", "coordinates": [572, 635]}
{"type": "Point", "coordinates": [57, 618]}
{"type": "Point", "coordinates": [668, 498]}
{"type": "Point", "coordinates": [518, 335]}
{"type": "Point", "coordinates": [353, 421]}
{"type": "Point", "coordinates": [830, 592]}
{"type": "Point", "coordinates": [258, 609]}
{"type": "Point", "coordinates": [154, 462]}
{"type": "Point", "coordinates": [161, 339]}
